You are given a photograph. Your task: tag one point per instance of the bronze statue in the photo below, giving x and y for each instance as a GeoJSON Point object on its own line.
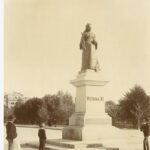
{"type": "Point", "coordinates": [89, 46]}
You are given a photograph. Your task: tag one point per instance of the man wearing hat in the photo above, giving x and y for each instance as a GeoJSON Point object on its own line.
{"type": "Point", "coordinates": [42, 136]}
{"type": "Point", "coordinates": [145, 129]}
{"type": "Point", "coordinates": [11, 132]}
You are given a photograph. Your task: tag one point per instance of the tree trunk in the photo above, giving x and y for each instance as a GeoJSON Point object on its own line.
{"type": "Point", "coordinates": [138, 123]}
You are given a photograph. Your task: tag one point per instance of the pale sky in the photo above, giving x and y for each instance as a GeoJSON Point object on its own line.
{"type": "Point", "coordinates": [42, 44]}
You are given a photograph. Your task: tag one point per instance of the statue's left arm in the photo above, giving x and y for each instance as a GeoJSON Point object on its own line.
{"type": "Point", "coordinates": [95, 42]}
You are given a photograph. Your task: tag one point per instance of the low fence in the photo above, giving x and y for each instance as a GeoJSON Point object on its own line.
{"type": "Point", "coordinates": [124, 124]}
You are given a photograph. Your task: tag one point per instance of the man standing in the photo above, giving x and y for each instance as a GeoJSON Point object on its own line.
{"type": "Point", "coordinates": [11, 132]}
{"type": "Point", "coordinates": [145, 129]}
{"type": "Point", "coordinates": [42, 137]}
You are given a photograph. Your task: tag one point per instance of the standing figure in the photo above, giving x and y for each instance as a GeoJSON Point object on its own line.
{"type": "Point", "coordinates": [145, 129]}
{"type": "Point", "coordinates": [88, 45]}
{"type": "Point", "coordinates": [42, 137]}
{"type": "Point", "coordinates": [11, 132]}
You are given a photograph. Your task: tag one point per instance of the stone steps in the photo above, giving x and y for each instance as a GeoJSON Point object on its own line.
{"type": "Point", "coordinates": [80, 144]}
{"type": "Point", "coordinates": [103, 144]}
{"type": "Point", "coordinates": [65, 145]}
{"type": "Point", "coordinates": [123, 144]}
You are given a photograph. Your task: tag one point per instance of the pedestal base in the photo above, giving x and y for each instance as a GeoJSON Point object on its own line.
{"type": "Point", "coordinates": [83, 127]}
{"type": "Point", "coordinates": [86, 133]}
{"type": "Point", "coordinates": [83, 119]}
{"type": "Point", "coordinates": [89, 119]}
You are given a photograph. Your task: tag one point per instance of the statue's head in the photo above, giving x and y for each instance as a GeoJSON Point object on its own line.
{"type": "Point", "coordinates": [88, 27]}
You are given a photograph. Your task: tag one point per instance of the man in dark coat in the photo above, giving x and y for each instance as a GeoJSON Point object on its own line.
{"type": "Point", "coordinates": [11, 132]}
{"type": "Point", "coordinates": [42, 137]}
{"type": "Point", "coordinates": [145, 129]}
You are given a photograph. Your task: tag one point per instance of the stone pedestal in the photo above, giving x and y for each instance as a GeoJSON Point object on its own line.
{"type": "Point", "coordinates": [89, 119]}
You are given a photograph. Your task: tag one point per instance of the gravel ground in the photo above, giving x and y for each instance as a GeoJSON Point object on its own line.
{"type": "Point", "coordinates": [132, 140]}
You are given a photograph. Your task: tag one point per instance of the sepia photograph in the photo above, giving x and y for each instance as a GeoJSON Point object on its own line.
{"type": "Point", "coordinates": [76, 74]}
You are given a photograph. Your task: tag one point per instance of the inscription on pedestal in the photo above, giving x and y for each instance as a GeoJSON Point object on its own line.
{"type": "Point", "coordinates": [95, 98]}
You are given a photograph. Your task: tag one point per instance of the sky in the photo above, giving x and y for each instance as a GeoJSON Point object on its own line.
{"type": "Point", "coordinates": [41, 44]}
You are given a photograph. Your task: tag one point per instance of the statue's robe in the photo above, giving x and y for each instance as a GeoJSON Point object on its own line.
{"type": "Point", "coordinates": [88, 45]}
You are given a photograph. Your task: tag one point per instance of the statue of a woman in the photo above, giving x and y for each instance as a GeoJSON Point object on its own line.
{"type": "Point", "coordinates": [88, 45]}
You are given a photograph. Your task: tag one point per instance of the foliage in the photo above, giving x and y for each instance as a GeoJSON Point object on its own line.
{"type": "Point", "coordinates": [42, 113]}
{"type": "Point", "coordinates": [51, 108]}
{"type": "Point", "coordinates": [112, 109]}
{"type": "Point", "coordinates": [134, 105]}
{"type": "Point", "coordinates": [7, 112]}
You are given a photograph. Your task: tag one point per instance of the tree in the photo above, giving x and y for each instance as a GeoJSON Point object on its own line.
{"type": "Point", "coordinates": [60, 106]}
{"type": "Point", "coordinates": [108, 105]}
{"type": "Point", "coordinates": [48, 99]}
{"type": "Point", "coordinates": [28, 112]}
{"type": "Point", "coordinates": [134, 105]}
{"type": "Point", "coordinates": [7, 112]}
{"type": "Point", "coordinates": [42, 113]}
{"type": "Point", "coordinates": [112, 109]}
{"type": "Point", "coordinates": [51, 108]}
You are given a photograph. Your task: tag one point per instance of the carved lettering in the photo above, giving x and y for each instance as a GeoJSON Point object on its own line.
{"type": "Point", "coordinates": [95, 98]}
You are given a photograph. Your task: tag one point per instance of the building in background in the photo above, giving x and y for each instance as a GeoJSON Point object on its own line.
{"type": "Point", "coordinates": [10, 99]}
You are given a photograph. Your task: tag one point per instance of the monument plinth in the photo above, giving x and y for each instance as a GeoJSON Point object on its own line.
{"type": "Point", "coordinates": [89, 118]}
{"type": "Point", "coordinates": [89, 124]}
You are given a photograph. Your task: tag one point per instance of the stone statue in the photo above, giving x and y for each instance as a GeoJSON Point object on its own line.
{"type": "Point", "coordinates": [88, 45]}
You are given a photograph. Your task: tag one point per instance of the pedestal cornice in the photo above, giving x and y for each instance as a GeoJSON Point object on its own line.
{"type": "Point", "coordinates": [89, 77]}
